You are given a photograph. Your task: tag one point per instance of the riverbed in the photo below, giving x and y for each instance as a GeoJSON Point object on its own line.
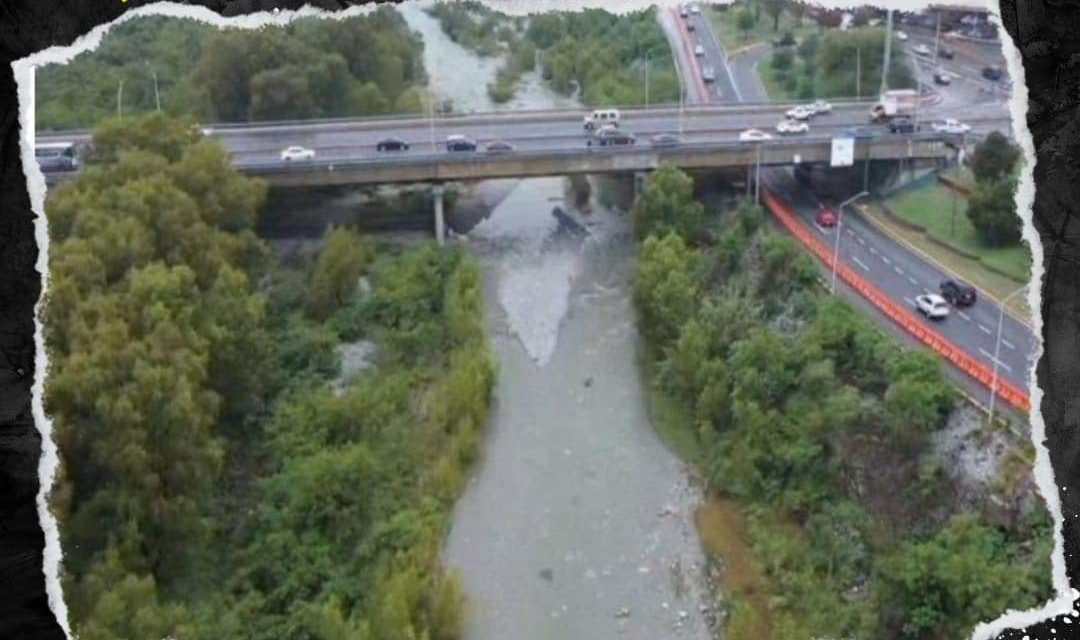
{"type": "Point", "coordinates": [577, 522]}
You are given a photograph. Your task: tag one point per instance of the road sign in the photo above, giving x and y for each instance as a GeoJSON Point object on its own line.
{"type": "Point", "coordinates": [796, 159]}
{"type": "Point", "coordinates": [843, 152]}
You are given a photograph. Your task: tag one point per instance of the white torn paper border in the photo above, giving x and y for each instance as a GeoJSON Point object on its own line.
{"type": "Point", "coordinates": [24, 76]}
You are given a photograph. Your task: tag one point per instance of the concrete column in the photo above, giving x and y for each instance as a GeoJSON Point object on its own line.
{"type": "Point", "coordinates": [639, 183]}
{"type": "Point", "coordinates": [440, 223]}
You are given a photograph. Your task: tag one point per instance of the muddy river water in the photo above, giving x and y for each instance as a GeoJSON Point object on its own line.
{"type": "Point", "coordinates": [577, 522]}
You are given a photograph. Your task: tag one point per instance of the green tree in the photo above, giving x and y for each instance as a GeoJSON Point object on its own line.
{"type": "Point", "coordinates": [745, 20]}
{"type": "Point", "coordinates": [995, 158]}
{"type": "Point", "coordinates": [775, 8]}
{"type": "Point", "coordinates": [342, 261]}
{"type": "Point", "coordinates": [667, 204]}
{"type": "Point", "coordinates": [992, 211]}
{"type": "Point", "coordinates": [664, 287]}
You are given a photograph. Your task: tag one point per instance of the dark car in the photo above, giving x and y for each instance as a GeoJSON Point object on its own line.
{"type": "Point", "coordinates": [459, 143]}
{"type": "Point", "coordinates": [946, 53]}
{"type": "Point", "coordinates": [498, 146]}
{"type": "Point", "coordinates": [958, 294]}
{"type": "Point", "coordinates": [611, 138]}
{"type": "Point", "coordinates": [901, 125]}
{"type": "Point", "coordinates": [992, 73]}
{"type": "Point", "coordinates": [392, 144]}
{"type": "Point", "coordinates": [54, 157]}
{"type": "Point", "coordinates": [786, 40]}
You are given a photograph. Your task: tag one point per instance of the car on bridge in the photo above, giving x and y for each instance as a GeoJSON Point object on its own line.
{"type": "Point", "coordinates": [902, 124]}
{"type": "Point", "coordinates": [754, 135]}
{"type": "Point", "coordinates": [611, 138]}
{"type": "Point", "coordinates": [923, 50]}
{"type": "Point", "coordinates": [665, 140]}
{"type": "Point", "coordinates": [601, 118]}
{"type": "Point", "coordinates": [800, 112]}
{"type": "Point", "coordinates": [942, 77]}
{"type": "Point", "coordinates": [459, 143]}
{"type": "Point", "coordinates": [392, 144]}
{"type": "Point", "coordinates": [296, 153]}
{"type": "Point", "coordinates": [932, 306]}
{"type": "Point", "coordinates": [946, 52]}
{"type": "Point", "coordinates": [498, 146]}
{"type": "Point", "coordinates": [819, 107]}
{"type": "Point", "coordinates": [958, 294]}
{"type": "Point", "coordinates": [951, 125]}
{"type": "Point", "coordinates": [792, 126]}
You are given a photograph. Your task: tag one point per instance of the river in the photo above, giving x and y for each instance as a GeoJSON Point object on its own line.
{"type": "Point", "coordinates": [577, 522]}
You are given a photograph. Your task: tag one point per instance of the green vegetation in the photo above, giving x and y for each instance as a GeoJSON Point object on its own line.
{"type": "Point", "coordinates": [992, 209]}
{"type": "Point", "coordinates": [819, 426]}
{"type": "Point", "coordinates": [824, 66]}
{"type": "Point", "coordinates": [599, 54]}
{"type": "Point", "coordinates": [215, 483]}
{"type": "Point", "coordinates": [310, 68]}
{"type": "Point", "coordinates": [931, 207]}
{"type": "Point", "coordinates": [741, 24]}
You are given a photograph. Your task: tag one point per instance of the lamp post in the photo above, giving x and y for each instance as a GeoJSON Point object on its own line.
{"type": "Point", "coordinates": [839, 225]}
{"type": "Point", "coordinates": [997, 349]}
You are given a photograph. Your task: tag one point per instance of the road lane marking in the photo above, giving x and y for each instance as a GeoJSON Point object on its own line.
{"type": "Point", "coordinates": [964, 315]}
{"type": "Point", "coordinates": [927, 291]}
{"type": "Point", "coordinates": [860, 263]}
{"type": "Point", "coordinates": [985, 330]}
{"type": "Point", "coordinates": [886, 260]}
{"type": "Point", "coordinates": [909, 301]}
{"type": "Point", "coordinates": [913, 281]}
{"type": "Point", "coordinates": [1008, 344]}
{"type": "Point", "coordinates": [991, 358]}
{"type": "Point", "coordinates": [850, 232]}
{"type": "Point", "coordinates": [898, 271]}
{"type": "Point", "coordinates": [873, 251]}
{"type": "Point", "coordinates": [860, 240]}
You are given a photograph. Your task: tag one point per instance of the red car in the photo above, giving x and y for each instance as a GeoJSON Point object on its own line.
{"type": "Point", "coordinates": [826, 217]}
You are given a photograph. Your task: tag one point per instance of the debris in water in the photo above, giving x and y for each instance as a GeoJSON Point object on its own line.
{"type": "Point", "coordinates": [547, 574]}
{"type": "Point", "coordinates": [623, 613]}
{"type": "Point", "coordinates": [588, 381]}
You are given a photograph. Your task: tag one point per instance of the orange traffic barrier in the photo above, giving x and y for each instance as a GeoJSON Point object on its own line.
{"type": "Point", "coordinates": [899, 314]}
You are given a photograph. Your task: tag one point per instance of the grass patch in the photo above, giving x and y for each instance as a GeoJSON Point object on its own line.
{"type": "Point", "coordinates": [774, 87]}
{"type": "Point", "coordinates": [723, 20]}
{"type": "Point", "coordinates": [932, 207]}
{"type": "Point", "coordinates": [673, 421]}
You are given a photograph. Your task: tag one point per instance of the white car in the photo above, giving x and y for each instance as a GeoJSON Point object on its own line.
{"type": "Point", "coordinates": [901, 36]}
{"type": "Point", "coordinates": [932, 306]}
{"type": "Point", "coordinates": [694, 9]}
{"type": "Point", "coordinates": [951, 125]}
{"type": "Point", "coordinates": [820, 106]}
{"type": "Point", "coordinates": [699, 50]}
{"type": "Point", "coordinates": [923, 50]}
{"type": "Point", "coordinates": [792, 126]}
{"type": "Point", "coordinates": [290, 154]}
{"type": "Point", "coordinates": [754, 135]}
{"type": "Point", "coordinates": [800, 113]}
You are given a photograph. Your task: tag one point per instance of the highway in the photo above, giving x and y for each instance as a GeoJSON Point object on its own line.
{"type": "Point", "coordinates": [892, 267]}
{"type": "Point", "coordinates": [260, 144]}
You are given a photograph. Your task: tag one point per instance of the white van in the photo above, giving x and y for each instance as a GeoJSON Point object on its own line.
{"type": "Point", "coordinates": [602, 117]}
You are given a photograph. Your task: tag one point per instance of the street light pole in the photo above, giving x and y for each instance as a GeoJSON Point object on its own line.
{"type": "Point", "coordinates": [888, 52]}
{"type": "Point", "coordinates": [997, 350]}
{"type": "Point", "coordinates": [757, 176]}
{"type": "Point", "coordinates": [839, 227]}
{"type": "Point", "coordinates": [646, 81]}
{"type": "Point", "coordinates": [858, 71]}
{"type": "Point", "coordinates": [157, 94]}
{"type": "Point", "coordinates": [120, 100]}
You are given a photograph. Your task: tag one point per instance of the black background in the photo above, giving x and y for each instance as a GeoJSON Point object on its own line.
{"type": "Point", "coordinates": [1047, 32]}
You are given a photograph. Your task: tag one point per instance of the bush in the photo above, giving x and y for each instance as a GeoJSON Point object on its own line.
{"type": "Point", "coordinates": [782, 60]}
{"type": "Point", "coordinates": [745, 20]}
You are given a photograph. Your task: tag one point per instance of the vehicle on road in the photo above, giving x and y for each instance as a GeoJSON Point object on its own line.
{"type": "Point", "coordinates": [932, 306]}
{"type": "Point", "coordinates": [792, 126]}
{"type": "Point", "coordinates": [958, 294]}
{"type": "Point", "coordinates": [296, 153]}
{"type": "Point", "coordinates": [56, 156]}
{"type": "Point", "coordinates": [602, 117]}
{"type": "Point", "coordinates": [903, 124]}
{"type": "Point", "coordinates": [826, 217]}
{"type": "Point", "coordinates": [942, 77]}
{"type": "Point", "coordinates": [993, 74]}
{"type": "Point", "coordinates": [951, 125]}
{"type": "Point", "coordinates": [946, 52]}
{"type": "Point", "coordinates": [800, 113]}
{"type": "Point", "coordinates": [694, 9]}
{"type": "Point", "coordinates": [699, 50]}
{"type": "Point", "coordinates": [498, 146]}
{"type": "Point", "coordinates": [786, 40]}
{"type": "Point", "coordinates": [901, 36]}
{"type": "Point", "coordinates": [897, 102]}
{"type": "Point", "coordinates": [754, 135]}
{"type": "Point", "coordinates": [690, 26]}
{"type": "Point", "coordinates": [392, 144]}
{"type": "Point", "coordinates": [611, 138]}
{"type": "Point", "coordinates": [707, 74]}
{"type": "Point", "coordinates": [922, 50]}
{"type": "Point", "coordinates": [665, 140]}
{"type": "Point", "coordinates": [683, 12]}
{"type": "Point", "coordinates": [819, 107]}
{"type": "Point", "coordinates": [457, 142]}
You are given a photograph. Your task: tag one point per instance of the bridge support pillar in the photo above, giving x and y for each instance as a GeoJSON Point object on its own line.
{"type": "Point", "coordinates": [639, 183]}
{"type": "Point", "coordinates": [440, 222]}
